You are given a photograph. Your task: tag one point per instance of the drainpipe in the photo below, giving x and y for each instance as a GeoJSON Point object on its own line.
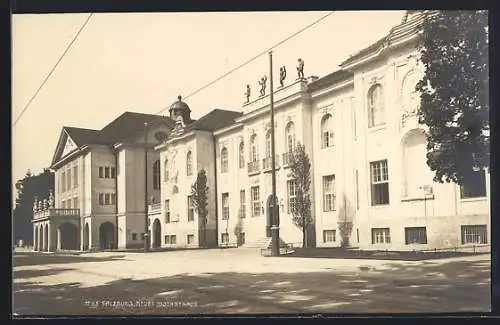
{"type": "Point", "coordinates": [116, 199]}
{"type": "Point", "coordinates": [215, 192]}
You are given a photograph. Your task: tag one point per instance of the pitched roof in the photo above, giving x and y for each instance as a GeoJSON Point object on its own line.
{"type": "Point", "coordinates": [81, 136]}
{"type": "Point", "coordinates": [404, 29]}
{"type": "Point", "coordinates": [216, 119]}
{"type": "Point", "coordinates": [128, 125]}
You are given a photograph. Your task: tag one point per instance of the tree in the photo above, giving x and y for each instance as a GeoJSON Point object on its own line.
{"type": "Point", "coordinates": [199, 192]}
{"type": "Point", "coordinates": [29, 187]}
{"type": "Point", "coordinates": [454, 93]}
{"type": "Point", "coordinates": [300, 174]}
{"type": "Point", "coordinates": [238, 229]}
{"type": "Point", "coordinates": [345, 223]}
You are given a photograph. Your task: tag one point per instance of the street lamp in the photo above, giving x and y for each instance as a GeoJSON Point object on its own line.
{"type": "Point", "coordinates": [275, 232]}
{"type": "Point", "coordinates": [146, 220]}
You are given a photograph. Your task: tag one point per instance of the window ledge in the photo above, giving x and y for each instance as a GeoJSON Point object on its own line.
{"type": "Point", "coordinates": [474, 199]}
{"type": "Point", "coordinates": [380, 206]}
{"type": "Point", "coordinates": [417, 198]}
{"type": "Point", "coordinates": [376, 128]}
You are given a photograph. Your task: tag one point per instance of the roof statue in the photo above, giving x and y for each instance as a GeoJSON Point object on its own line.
{"type": "Point", "coordinates": [300, 68]}
{"type": "Point", "coordinates": [262, 84]}
{"type": "Point", "coordinates": [247, 94]}
{"type": "Point", "coordinates": [282, 75]}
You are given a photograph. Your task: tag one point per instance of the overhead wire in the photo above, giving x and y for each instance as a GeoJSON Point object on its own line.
{"type": "Point", "coordinates": [245, 63]}
{"type": "Point", "coordinates": [52, 69]}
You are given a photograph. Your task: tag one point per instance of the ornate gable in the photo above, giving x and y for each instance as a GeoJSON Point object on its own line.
{"type": "Point", "coordinates": [69, 146]}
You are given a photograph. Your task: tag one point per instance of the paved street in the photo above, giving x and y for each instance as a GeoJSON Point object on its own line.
{"type": "Point", "coordinates": [241, 281]}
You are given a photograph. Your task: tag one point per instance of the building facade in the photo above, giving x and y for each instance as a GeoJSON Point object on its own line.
{"type": "Point", "coordinates": [99, 197]}
{"type": "Point", "coordinates": [360, 128]}
{"type": "Point", "coordinates": [358, 125]}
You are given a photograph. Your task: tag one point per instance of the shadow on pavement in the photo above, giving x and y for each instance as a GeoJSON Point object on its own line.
{"type": "Point", "coordinates": [458, 286]}
{"type": "Point", "coordinates": [37, 273]}
{"type": "Point", "coordinates": [40, 259]}
{"type": "Point", "coordinates": [377, 255]}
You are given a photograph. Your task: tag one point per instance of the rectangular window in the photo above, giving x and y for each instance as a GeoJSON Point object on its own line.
{"type": "Point", "coordinates": [329, 193]}
{"type": "Point", "coordinates": [357, 190]}
{"type": "Point", "coordinates": [63, 204]}
{"type": "Point", "coordinates": [291, 187]}
{"type": "Point", "coordinates": [190, 239]}
{"type": "Point", "coordinates": [113, 172]}
{"type": "Point", "coordinates": [68, 179]}
{"type": "Point", "coordinates": [167, 239]}
{"type": "Point", "coordinates": [75, 176]}
{"type": "Point", "coordinates": [474, 234]}
{"type": "Point", "coordinates": [241, 238]}
{"type": "Point", "coordinates": [255, 197]}
{"type": "Point", "coordinates": [381, 236]}
{"type": "Point", "coordinates": [474, 185]}
{"type": "Point", "coordinates": [106, 199]}
{"type": "Point", "coordinates": [328, 236]}
{"type": "Point", "coordinates": [415, 235]}
{"type": "Point", "coordinates": [68, 204]}
{"type": "Point", "coordinates": [101, 172]}
{"type": "Point", "coordinates": [106, 172]}
{"type": "Point", "coordinates": [379, 182]}
{"type": "Point", "coordinates": [113, 198]}
{"type": "Point", "coordinates": [101, 198]}
{"type": "Point", "coordinates": [63, 182]}
{"type": "Point", "coordinates": [328, 139]}
{"type": "Point", "coordinates": [173, 239]}
{"type": "Point", "coordinates": [190, 208]}
{"type": "Point", "coordinates": [225, 206]}
{"type": "Point", "coordinates": [242, 204]}
{"type": "Point", "coordinates": [75, 203]}
{"type": "Point", "coordinates": [167, 211]}
{"type": "Point", "coordinates": [225, 238]}
{"type": "Point", "coordinates": [134, 236]}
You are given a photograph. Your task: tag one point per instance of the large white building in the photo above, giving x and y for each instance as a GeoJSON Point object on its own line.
{"type": "Point", "coordinates": [368, 152]}
{"type": "Point", "coordinates": [360, 129]}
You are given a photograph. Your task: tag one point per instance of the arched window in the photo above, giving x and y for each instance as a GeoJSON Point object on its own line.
{"type": "Point", "coordinates": [241, 155]}
{"type": "Point", "coordinates": [268, 144]}
{"type": "Point", "coordinates": [165, 171]}
{"type": "Point", "coordinates": [409, 95]}
{"type": "Point", "coordinates": [376, 115]}
{"type": "Point", "coordinates": [327, 131]}
{"type": "Point", "coordinates": [290, 136]}
{"type": "Point", "coordinates": [224, 163]}
{"type": "Point", "coordinates": [417, 174]}
{"type": "Point", "coordinates": [189, 164]}
{"type": "Point", "coordinates": [156, 175]}
{"type": "Point", "coordinates": [254, 148]}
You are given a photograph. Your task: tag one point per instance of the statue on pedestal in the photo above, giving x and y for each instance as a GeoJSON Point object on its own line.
{"type": "Point", "coordinates": [282, 75]}
{"type": "Point", "coordinates": [45, 204]}
{"type": "Point", "coordinates": [262, 84]}
{"type": "Point", "coordinates": [40, 205]}
{"type": "Point", "coordinates": [247, 94]}
{"type": "Point", "coordinates": [300, 68]}
{"type": "Point", "coordinates": [52, 200]}
{"type": "Point", "coordinates": [35, 204]}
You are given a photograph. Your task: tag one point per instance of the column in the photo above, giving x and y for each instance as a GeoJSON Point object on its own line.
{"type": "Point", "coordinates": [35, 234]}
{"type": "Point", "coordinates": [58, 243]}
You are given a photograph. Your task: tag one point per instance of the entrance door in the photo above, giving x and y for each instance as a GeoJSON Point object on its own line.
{"type": "Point", "coordinates": [106, 235]}
{"type": "Point", "coordinates": [156, 234]}
{"type": "Point", "coordinates": [270, 215]}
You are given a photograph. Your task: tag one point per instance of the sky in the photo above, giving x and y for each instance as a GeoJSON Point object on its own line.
{"type": "Point", "coordinates": [141, 62]}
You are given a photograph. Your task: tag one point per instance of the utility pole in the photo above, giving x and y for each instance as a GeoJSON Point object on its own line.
{"type": "Point", "coordinates": [146, 220]}
{"type": "Point", "coordinates": [275, 229]}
